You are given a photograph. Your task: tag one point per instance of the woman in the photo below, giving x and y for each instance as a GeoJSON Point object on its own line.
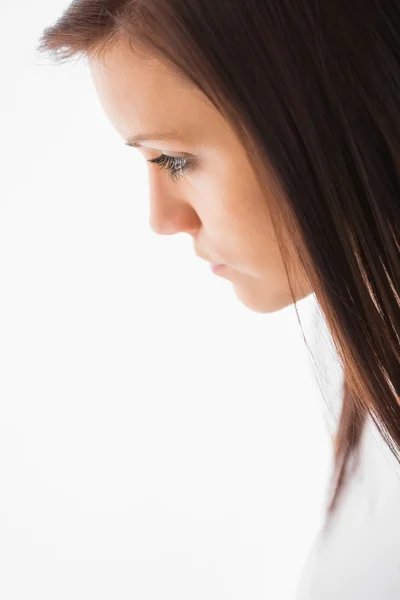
{"type": "Point", "coordinates": [272, 129]}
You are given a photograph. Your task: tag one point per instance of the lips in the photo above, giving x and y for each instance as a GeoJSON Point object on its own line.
{"type": "Point", "coordinates": [218, 268]}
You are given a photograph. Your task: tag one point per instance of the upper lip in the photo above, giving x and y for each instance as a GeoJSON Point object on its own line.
{"type": "Point", "coordinates": [203, 257]}
{"type": "Point", "coordinates": [208, 260]}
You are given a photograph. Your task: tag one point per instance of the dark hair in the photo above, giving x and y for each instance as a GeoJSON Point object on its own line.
{"type": "Point", "coordinates": [313, 90]}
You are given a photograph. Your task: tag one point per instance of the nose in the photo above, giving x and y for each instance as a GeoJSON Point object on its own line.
{"type": "Point", "coordinates": [170, 211]}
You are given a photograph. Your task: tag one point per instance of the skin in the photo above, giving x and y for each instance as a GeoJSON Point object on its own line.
{"type": "Point", "coordinates": [219, 202]}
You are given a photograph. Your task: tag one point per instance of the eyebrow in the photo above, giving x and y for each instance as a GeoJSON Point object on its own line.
{"type": "Point", "coordinates": [136, 140]}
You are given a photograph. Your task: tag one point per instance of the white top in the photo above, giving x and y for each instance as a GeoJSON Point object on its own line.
{"type": "Point", "coordinates": [360, 557]}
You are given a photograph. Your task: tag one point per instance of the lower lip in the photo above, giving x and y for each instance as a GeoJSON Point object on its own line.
{"type": "Point", "coordinates": [218, 268]}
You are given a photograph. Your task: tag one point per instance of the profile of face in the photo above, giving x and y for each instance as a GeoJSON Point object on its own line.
{"type": "Point", "coordinates": [204, 184]}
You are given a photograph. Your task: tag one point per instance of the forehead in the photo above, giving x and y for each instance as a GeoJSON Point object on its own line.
{"type": "Point", "coordinates": [140, 93]}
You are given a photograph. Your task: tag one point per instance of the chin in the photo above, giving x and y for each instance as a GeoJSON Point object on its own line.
{"type": "Point", "coordinates": [263, 302]}
{"type": "Point", "coordinates": [263, 306]}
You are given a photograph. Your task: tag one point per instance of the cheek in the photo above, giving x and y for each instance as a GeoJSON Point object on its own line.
{"type": "Point", "coordinates": [230, 203]}
{"type": "Point", "coordinates": [246, 212]}
{"type": "Point", "coordinates": [252, 235]}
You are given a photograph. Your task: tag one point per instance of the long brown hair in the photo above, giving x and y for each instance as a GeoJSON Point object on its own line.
{"type": "Point", "coordinates": [313, 90]}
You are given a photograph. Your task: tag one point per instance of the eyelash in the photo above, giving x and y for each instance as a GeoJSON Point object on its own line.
{"type": "Point", "coordinates": [177, 167]}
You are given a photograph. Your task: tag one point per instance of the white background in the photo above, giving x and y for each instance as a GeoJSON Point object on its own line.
{"type": "Point", "coordinates": [158, 440]}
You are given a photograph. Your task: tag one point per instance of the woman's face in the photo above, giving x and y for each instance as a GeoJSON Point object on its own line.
{"type": "Point", "coordinates": [216, 199]}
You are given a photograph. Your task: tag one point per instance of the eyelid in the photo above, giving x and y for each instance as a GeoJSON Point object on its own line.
{"type": "Point", "coordinates": [168, 163]}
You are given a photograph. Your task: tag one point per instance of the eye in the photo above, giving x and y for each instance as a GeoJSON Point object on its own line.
{"type": "Point", "coordinates": [176, 166]}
